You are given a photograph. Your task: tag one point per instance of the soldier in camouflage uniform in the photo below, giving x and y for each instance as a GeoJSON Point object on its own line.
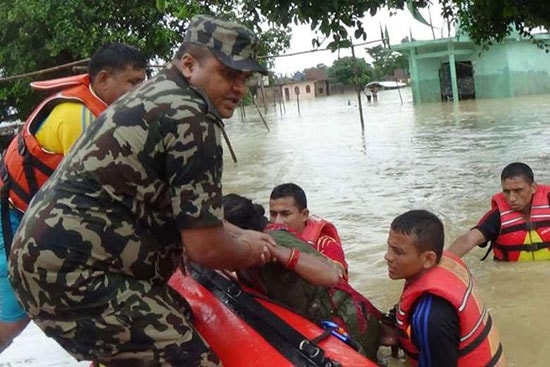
{"type": "Point", "coordinates": [100, 240]}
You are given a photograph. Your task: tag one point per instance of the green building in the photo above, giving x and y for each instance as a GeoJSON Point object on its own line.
{"type": "Point", "coordinates": [453, 69]}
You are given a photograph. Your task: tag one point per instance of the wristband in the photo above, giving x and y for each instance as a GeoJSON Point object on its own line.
{"type": "Point", "coordinates": [293, 259]}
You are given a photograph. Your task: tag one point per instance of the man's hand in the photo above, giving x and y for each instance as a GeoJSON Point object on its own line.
{"type": "Point", "coordinates": [260, 245]}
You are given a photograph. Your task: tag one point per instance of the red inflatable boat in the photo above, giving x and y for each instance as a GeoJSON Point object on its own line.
{"type": "Point", "coordinates": [248, 331]}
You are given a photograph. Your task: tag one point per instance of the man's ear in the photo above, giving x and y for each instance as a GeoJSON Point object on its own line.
{"type": "Point", "coordinates": [429, 259]}
{"type": "Point", "coordinates": [305, 213]}
{"type": "Point", "coordinates": [101, 78]}
{"type": "Point", "coordinates": [187, 63]}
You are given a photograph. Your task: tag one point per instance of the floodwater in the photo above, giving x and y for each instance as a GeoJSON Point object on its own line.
{"type": "Point", "coordinates": [443, 157]}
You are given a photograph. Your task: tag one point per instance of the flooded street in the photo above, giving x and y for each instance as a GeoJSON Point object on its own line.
{"type": "Point", "coordinates": [442, 157]}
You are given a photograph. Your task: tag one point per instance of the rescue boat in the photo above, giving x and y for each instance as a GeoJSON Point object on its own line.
{"type": "Point", "coordinates": [247, 330]}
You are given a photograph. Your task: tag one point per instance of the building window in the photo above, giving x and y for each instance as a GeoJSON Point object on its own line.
{"type": "Point", "coordinates": [308, 89]}
{"type": "Point", "coordinates": [321, 90]}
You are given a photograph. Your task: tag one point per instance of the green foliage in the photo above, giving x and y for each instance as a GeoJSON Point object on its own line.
{"type": "Point", "coordinates": [342, 71]}
{"type": "Point", "coordinates": [490, 21]}
{"type": "Point", "coordinates": [487, 21]}
{"type": "Point", "coordinates": [331, 17]}
{"type": "Point", "coordinates": [386, 61]}
{"type": "Point", "coordinates": [39, 34]}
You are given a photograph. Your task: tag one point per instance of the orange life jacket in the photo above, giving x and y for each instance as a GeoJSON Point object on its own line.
{"type": "Point", "coordinates": [520, 240]}
{"type": "Point", "coordinates": [26, 166]}
{"type": "Point", "coordinates": [450, 279]}
{"type": "Point", "coordinates": [317, 227]}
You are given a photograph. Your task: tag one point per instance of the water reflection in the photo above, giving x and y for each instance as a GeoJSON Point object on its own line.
{"type": "Point", "coordinates": [443, 157]}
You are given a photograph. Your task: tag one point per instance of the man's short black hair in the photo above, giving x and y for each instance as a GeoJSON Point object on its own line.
{"type": "Point", "coordinates": [115, 57]}
{"type": "Point", "coordinates": [425, 228]}
{"type": "Point", "coordinates": [290, 190]}
{"type": "Point", "coordinates": [518, 169]}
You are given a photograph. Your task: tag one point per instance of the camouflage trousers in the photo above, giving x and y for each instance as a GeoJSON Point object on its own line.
{"type": "Point", "coordinates": [144, 325]}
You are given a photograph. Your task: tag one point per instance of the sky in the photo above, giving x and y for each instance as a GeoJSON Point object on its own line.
{"type": "Point", "coordinates": [399, 26]}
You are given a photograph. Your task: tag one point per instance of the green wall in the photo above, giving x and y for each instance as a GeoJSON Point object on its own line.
{"type": "Point", "coordinates": [515, 67]}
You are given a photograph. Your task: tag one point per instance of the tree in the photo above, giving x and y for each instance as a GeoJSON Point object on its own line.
{"type": "Point", "coordinates": [386, 61]}
{"type": "Point", "coordinates": [39, 34]}
{"type": "Point", "coordinates": [36, 34]}
{"type": "Point", "coordinates": [487, 21]}
{"type": "Point", "coordinates": [341, 71]}
{"type": "Point", "coordinates": [490, 21]}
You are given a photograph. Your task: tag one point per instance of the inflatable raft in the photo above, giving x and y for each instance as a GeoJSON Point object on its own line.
{"type": "Point", "coordinates": [246, 330]}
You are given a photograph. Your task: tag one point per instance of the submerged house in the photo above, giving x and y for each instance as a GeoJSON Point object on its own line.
{"type": "Point", "coordinates": [304, 89]}
{"type": "Point", "coordinates": [291, 91]}
{"type": "Point", "coordinates": [453, 69]}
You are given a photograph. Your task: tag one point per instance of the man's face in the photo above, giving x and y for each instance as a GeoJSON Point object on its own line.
{"type": "Point", "coordinates": [285, 211]}
{"type": "Point", "coordinates": [110, 85]}
{"type": "Point", "coordinates": [519, 193]}
{"type": "Point", "coordinates": [224, 87]}
{"type": "Point", "coordinates": [403, 259]}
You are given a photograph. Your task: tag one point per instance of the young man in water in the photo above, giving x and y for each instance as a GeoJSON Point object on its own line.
{"type": "Point", "coordinates": [288, 206]}
{"type": "Point", "coordinates": [440, 317]}
{"type": "Point", "coordinates": [518, 224]}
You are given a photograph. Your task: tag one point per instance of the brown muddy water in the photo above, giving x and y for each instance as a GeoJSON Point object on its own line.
{"type": "Point", "coordinates": [442, 157]}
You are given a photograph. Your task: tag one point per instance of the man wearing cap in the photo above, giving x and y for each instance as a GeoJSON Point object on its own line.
{"type": "Point", "coordinates": [138, 193]}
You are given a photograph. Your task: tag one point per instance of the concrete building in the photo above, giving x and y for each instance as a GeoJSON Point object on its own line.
{"type": "Point", "coordinates": [453, 69]}
{"type": "Point", "coordinates": [305, 90]}
{"type": "Point", "coordinates": [291, 91]}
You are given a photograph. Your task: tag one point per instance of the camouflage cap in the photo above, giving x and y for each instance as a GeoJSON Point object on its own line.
{"type": "Point", "coordinates": [233, 44]}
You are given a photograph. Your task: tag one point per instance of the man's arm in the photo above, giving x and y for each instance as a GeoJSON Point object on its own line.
{"type": "Point", "coordinates": [214, 247]}
{"type": "Point", "coordinates": [317, 270]}
{"type": "Point", "coordinates": [487, 229]}
{"type": "Point", "coordinates": [435, 332]}
{"type": "Point", "coordinates": [463, 244]}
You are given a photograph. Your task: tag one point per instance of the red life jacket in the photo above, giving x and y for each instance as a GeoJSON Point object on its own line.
{"type": "Point", "coordinates": [26, 165]}
{"type": "Point", "coordinates": [317, 227]}
{"type": "Point", "coordinates": [450, 279]}
{"type": "Point", "coordinates": [520, 240]}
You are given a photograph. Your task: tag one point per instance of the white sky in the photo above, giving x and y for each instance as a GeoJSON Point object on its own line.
{"type": "Point", "coordinates": [398, 28]}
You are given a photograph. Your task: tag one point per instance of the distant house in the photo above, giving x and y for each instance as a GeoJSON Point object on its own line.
{"type": "Point", "coordinates": [456, 69]}
{"type": "Point", "coordinates": [305, 90]}
{"type": "Point", "coordinates": [291, 91]}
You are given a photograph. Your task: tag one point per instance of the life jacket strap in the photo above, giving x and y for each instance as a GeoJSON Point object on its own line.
{"type": "Point", "coordinates": [528, 247]}
{"type": "Point", "coordinates": [528, 226]}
